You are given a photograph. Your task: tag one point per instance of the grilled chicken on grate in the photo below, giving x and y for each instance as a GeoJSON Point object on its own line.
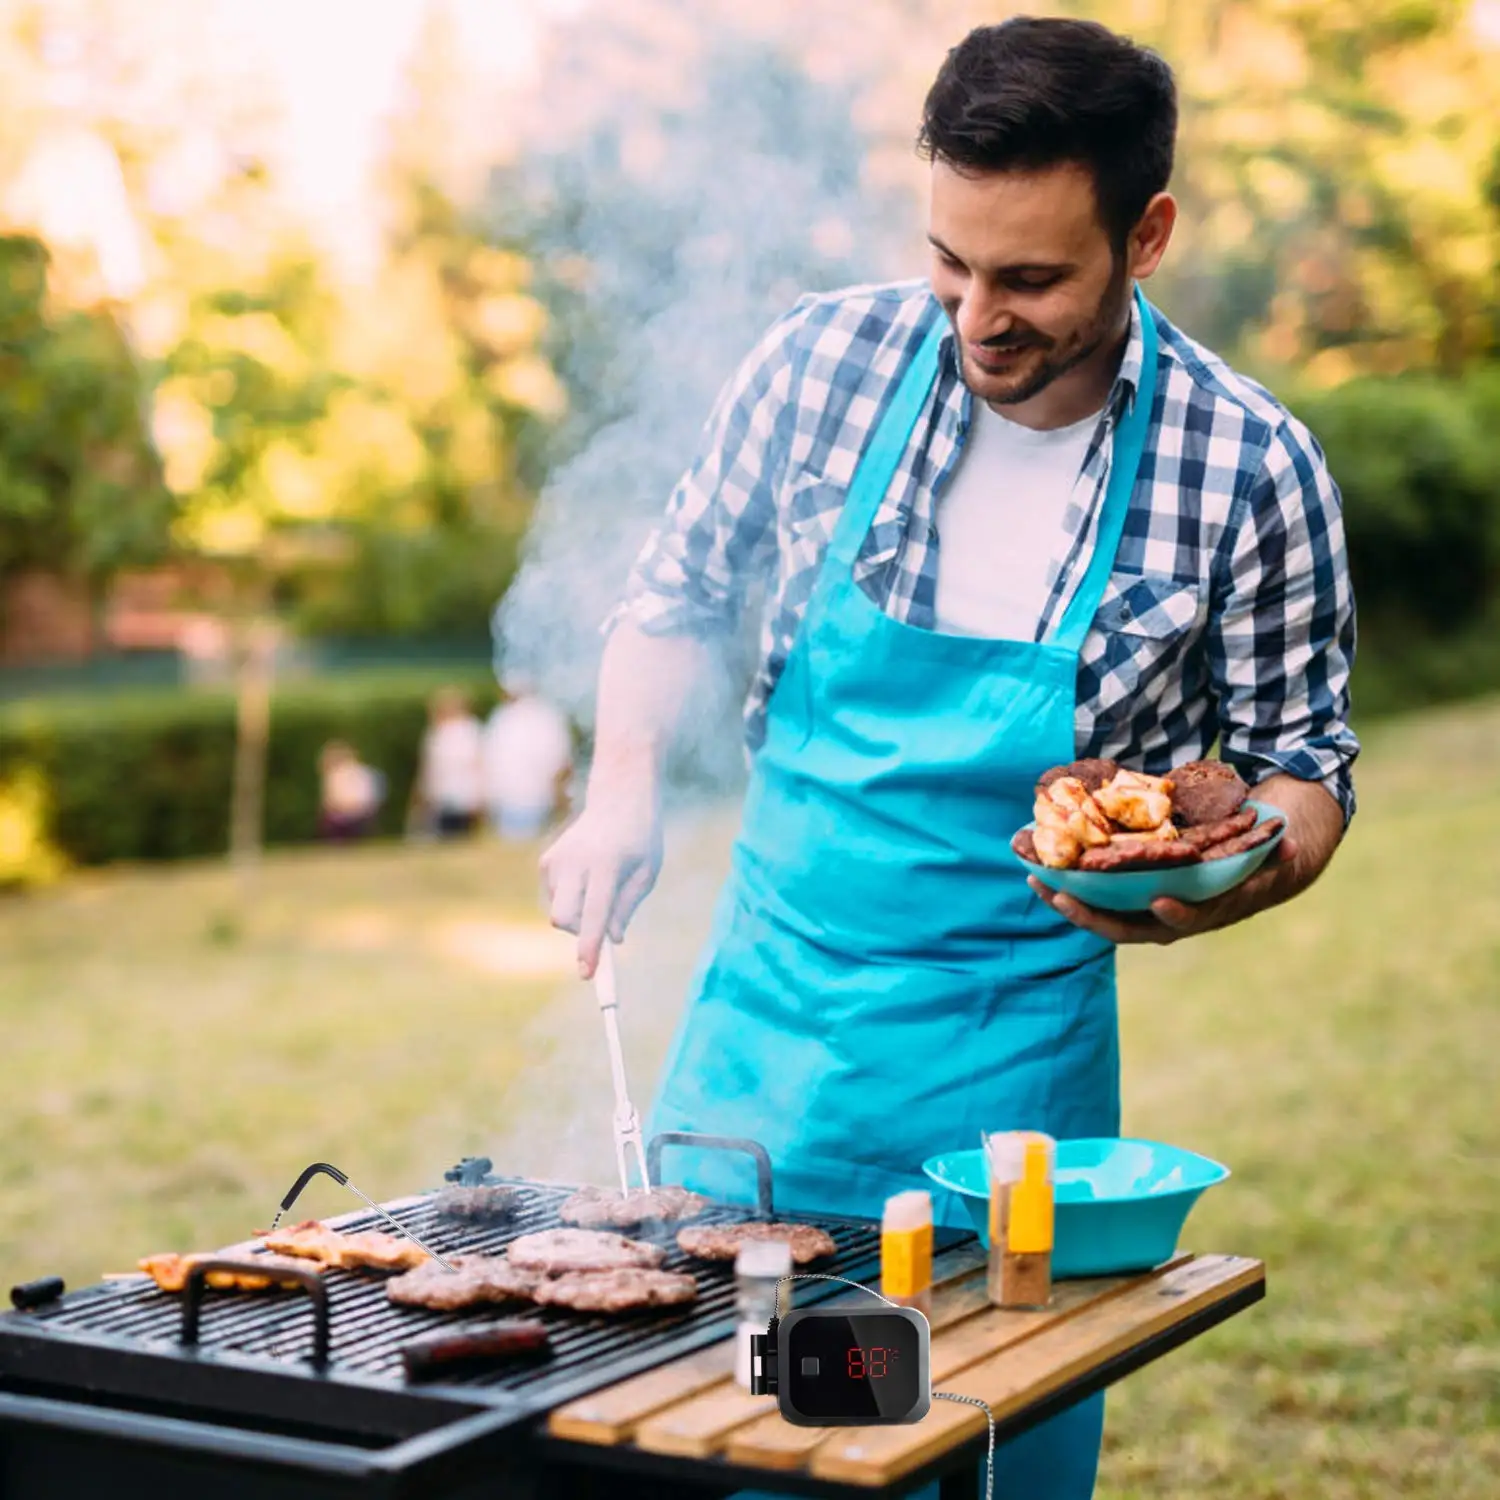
{"type": "Point", "coordinates": [329, 1247]}
{"type": "Point", "coordinates": [170, 1272]}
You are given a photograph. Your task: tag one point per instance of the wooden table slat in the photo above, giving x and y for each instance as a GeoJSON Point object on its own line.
{"type": "Point", "coordinates": [1018, 1377]}
{"type": "Point", "coordinates": [611, 1415]}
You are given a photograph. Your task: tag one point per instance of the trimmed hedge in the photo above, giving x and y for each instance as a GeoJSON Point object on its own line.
{"type": "Point", "coordinates": [148, 776]}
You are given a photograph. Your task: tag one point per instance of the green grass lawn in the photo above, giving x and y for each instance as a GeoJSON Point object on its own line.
{"type": "Point", "coordinates": [167, 1067]}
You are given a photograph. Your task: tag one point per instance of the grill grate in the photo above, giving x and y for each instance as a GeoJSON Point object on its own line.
{"type": "Point", "coordinates": [368, 1331]}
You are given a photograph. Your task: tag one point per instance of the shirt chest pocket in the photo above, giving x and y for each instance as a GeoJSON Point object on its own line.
{"type": "Point", "coordinates": [1144, 629]}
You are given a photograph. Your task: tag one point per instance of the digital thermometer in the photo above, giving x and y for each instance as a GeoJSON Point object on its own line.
{"type": "Point", "coordinates": [834, 1368]}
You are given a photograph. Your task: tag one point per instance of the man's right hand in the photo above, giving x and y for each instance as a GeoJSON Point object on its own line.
{"type": "Point", "coordinates": [602, 866]}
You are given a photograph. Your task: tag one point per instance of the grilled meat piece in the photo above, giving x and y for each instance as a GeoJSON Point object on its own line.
{"type": "Point", "coordinates": [1162, 832]}
{"type": "Point", "coordinates": [553, 1252]}
{"type": "Point", "coordinates": [473, 1281]}
{"type": "Point", "coordinates": [1056, 848]}
{"type": "Point", "coordinates": [494, 1343]}
{"type": "Point", "coordinates": [1136, 802]}
{"type": "Point", "coordinates": [1245, 841]}
{"type": "Point", "coordinates": [1138, 854]}
{"type": "Point", "coordinates": [1206, 791]}
{"type": "Point", "coordinates": [1024, 844]}
{"type": "Point", "coordinates": [723, 1241]}
{"type": "Point", "coordinates": [313, 1240]}
{"type": "Point", "coordinates": [1206, 834]}
{"type": "Point", "coordinates": [170, 1272]}
{"type": "Point", "coordinates": [1067, 803]}
{"type": "Point", "coordinates": [1092, 773]}
{"type": "Point", "coordinates": [601, 1208]}
{"type": "Point", "coordinates": [492, 1204]}
{"type": "Point", "coordinates": [624, 1290]}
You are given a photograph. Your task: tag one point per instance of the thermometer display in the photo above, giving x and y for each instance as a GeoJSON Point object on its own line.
{"type": "Point", "coordinates": [857, 1367]}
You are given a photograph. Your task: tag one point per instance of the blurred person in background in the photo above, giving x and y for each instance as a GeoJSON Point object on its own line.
{"type": "Point", "coordinates": [528, 760]}
{"type": "Point", "coordinates": [1005, 516]}
{"type": "Point", "coordinates": [448, 793]}
{"type": "Point", "coordinates": [350, 795]}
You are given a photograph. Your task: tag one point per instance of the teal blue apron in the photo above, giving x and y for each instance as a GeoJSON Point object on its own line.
{"type": "Point", "coordinates": [880, 984]}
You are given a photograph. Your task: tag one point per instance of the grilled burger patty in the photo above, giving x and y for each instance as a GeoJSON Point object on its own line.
{"type": "Point", "coordinates": [553, 1252]}
{"type": "Point", "coordinates": [723, 1241]}
{"type": "Point", "coordinates": [477, 1203]}
{"type": "Point", "coordinates": [1206, 791]}
{"type": "Point", "coordinates": [474, 1280]}
{"type": "Point", "coordinates": [594, 1208]}
{"type": "Point", "coordinates": [622, 1290]}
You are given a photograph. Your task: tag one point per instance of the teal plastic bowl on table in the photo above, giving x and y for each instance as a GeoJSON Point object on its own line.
{"type": "Point", "coordinates": [1120, 1204]}
{"type": "Point", "coordinates": [1135, 890]}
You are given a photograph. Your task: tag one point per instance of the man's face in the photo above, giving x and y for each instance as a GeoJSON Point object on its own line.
{"type": "Point", "coordinates": [1025, 271]}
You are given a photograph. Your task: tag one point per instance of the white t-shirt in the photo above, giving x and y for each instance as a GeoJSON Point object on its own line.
{"type": "Point", "coordinates": [526, 748]}
{"type": "Point", "coordinates": [999, 521]}
{"type": "Point", "coordinates": [452, 768]}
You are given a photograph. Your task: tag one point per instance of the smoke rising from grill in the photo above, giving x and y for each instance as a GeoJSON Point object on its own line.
{"type": "Point", "coordinates": [706, 183]}
{"type": "Point", "coordinates": [683, 184]}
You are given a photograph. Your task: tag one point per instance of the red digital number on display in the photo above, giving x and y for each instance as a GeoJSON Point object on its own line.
{"type": "Point", "coordinates": [870, 1363]}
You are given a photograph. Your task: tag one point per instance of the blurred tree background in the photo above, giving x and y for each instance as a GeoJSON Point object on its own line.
{"type": "Point", "coordinates": [208, 418]}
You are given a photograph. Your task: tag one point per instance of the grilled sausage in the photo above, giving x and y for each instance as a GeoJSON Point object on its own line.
{"type": "Point", "coordinates": [500, 1341]}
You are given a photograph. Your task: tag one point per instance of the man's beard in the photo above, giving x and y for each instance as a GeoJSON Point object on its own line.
{"type": "Point", "coordinates": [1056, 362]}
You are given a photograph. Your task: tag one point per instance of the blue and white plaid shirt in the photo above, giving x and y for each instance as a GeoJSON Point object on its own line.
{"type": "Point", "coordinates": [1229, 616]}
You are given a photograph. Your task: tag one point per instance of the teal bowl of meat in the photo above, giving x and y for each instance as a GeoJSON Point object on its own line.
{"type": "Point", "coordinates": [1118, 839]}
{"type": "Point", "coordinates": [1119, 1204]}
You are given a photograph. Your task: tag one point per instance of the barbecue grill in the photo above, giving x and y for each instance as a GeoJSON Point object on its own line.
{"type": "Point", "coordinates": [121, 1389]}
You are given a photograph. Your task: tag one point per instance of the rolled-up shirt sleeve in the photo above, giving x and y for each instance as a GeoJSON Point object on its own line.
{"type": "Point", "coordinates": [719, 530]}
{"type": "Point", "coordinates": [1282, 638]}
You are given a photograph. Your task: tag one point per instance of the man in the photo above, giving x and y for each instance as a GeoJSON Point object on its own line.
{"type": "Point", "coordinates": [528, 757]}
{"type": "Point", "coordinates": [1007, 519]}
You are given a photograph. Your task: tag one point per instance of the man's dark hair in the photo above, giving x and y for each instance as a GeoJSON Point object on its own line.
{"type": "Point", "coordinates": [1029, 94]}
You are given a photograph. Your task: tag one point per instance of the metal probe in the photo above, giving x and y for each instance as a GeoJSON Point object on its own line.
{"type": "Point", "coordinates": [343, 1180]}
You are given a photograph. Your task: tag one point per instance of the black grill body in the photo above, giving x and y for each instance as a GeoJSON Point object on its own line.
{"type": "Point", "coordinates": [98, 1395]}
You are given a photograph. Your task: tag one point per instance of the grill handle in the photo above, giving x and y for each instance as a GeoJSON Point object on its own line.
{"type": "Point", "coordinates": [752, 1149]}
{"type": "Point", "coordinates": [307, 1177]}
{"type": "Point", "coordinates": [310, 1281]}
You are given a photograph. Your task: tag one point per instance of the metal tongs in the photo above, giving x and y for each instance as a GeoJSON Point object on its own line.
{"type": "Point", "coordinates": [627, 1123]}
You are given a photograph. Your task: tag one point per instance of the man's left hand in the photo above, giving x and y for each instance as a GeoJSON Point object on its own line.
{"type": "Point", "coordinates": [1170, 920]}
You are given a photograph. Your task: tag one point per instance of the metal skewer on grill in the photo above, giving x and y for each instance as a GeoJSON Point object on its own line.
{"type": "Point", "coordinates": [627, 1124]}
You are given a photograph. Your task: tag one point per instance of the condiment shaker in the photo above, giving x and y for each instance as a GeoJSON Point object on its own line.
{"type": "Point", "coordinates": [906, 1250]}
{"type": "Point", "coordinates": [758, 1269]}
{"type": "Point", "coordinates": [1021, 1167]}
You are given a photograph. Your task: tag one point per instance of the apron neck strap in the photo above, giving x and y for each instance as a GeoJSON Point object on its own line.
{"type": "Point", "coordinates": [1125, 463]}
{"type": "Point", "coordinates": [877, 467]}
